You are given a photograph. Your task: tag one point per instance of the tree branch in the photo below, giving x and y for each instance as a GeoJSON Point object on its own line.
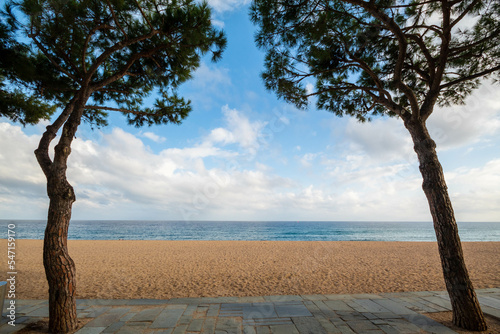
{"type": "Point", "coordinates": [467, 10]}
{"type": "Point", "coordinates": [128, 111]}
{"type": "Point", "coordinates": [49, 56]}
{"type": "Point", "coordinates": [87, 40]}
{"type": "Point", "coordinates": [42, 152]}
{"type": "Point", "coordinates": [396, 30]}
{"type": "Point", "coordinates": [470, 77]}
{"type": "Point", "coordinates": [118, 46]}
{"type": "Point", "coordinates": [116, 19]}
{"type": "Point", "coordinates": [124, 70]}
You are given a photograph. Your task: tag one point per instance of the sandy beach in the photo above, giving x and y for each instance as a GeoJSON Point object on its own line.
{"type": "Point", "coordinates": [168, 269]}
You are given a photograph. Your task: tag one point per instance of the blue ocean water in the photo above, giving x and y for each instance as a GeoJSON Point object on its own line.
{"type": "Point", "coordinates": [252, 230]}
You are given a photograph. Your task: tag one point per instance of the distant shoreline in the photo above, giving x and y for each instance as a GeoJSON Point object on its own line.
{"type": "Point", "coordinates": [157, 269]}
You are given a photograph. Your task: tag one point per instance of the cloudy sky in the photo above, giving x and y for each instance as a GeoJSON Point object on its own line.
{"type": "Point", "coordinates": [244, 155]}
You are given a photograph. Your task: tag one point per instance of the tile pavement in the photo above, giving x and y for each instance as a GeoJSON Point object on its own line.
{"type": "Point", "coordinates": [316, 314]}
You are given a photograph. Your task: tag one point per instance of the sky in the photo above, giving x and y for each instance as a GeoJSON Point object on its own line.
{"type": "Point", "coordinates": [244, 155]}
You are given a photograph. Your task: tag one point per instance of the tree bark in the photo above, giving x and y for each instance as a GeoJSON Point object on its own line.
{"type": "Point", "coordinates": [467, 312]}
{"type": "Point", "coordinates": [59, 267]}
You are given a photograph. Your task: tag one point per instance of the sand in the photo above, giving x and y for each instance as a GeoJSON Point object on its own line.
{"type": "Point", "coordinates": [168, 269]}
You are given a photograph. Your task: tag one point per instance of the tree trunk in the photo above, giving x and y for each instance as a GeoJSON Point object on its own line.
{"type": "Point", "coordinates": [59, 267]}
{"type": "Point", "coordinates": [466, 309]}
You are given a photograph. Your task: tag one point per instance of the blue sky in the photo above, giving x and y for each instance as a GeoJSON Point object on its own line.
{"type": "Point", "coordinates": [244, 155]}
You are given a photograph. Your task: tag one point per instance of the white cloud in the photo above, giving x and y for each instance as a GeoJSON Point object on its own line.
{"type": "Point", "coordinates": [307, 159]}
{"type": "Point", "coordinates": [210, 77]}
{"type": "Point", "coordinates": [154, 137]}
{"type": "Point", "coordinates": [227, 5]}
{"type": "Point", "coordinates": [383, 139]}
{"type": "Point", "coordinates": [475, 192]}
{"type": "Point", "coordinates": [456, 126]}
{"type": "Point", "coordinates": [240, 130]}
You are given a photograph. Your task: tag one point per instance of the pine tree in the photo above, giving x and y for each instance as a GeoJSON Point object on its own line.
{"type": "Point", "coordinates": [394, 58]}
{"type": "Point", "coordinates": [107, 56]}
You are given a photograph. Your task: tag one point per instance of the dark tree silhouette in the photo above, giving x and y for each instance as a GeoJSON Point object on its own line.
{"type": "Point", "coordinates": [395, 58]}
{"type": "Point", "coordinates": [101, 52]}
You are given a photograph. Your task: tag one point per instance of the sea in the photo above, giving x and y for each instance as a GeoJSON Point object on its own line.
{"type": "Point", "coordinates": [251, 230]}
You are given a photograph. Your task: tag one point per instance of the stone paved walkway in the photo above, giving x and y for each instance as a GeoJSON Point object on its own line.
{"type": "Point", "coordinates": [362, 313]}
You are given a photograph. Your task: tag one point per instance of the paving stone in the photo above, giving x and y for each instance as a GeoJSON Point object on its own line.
{"type": "Point", "coordinates": [196, 325]}
{"type": "Point", "coordinates": [299, 310]}
{"type": "Point", "coordinates": [39, 312]}
{"type": "Point", "coordinates": [338, 297]}
{"type": "Point", "coordinates": [28, 309]}
{"type": "Point", "coordinates": [147, 314]}
{"type": "Point", "coordinates": [128, 316]}
{"type": "Point", "coordinates": [327, 325]}
{"type": "Point", "coordinates": [184, 320]}
{"type": "Point", "coordinates": [428, 324]}
{"type": "Point", "coordinates": [355, 306]}
{"type": "Point", "coordinates": [7, 329]}
{"type": "Point", "coordinates": [431, 305]}
{"type": "Point", "coordinates": [491, 311]}
{"type": "Point", "coordinates": [315, 311]}
{"type": "Point", "coordinates": [267, 321]}
{"type": "Point", "coordinates": [366, 296]}
{"type": "Point", "coordinates": [421, 293]}
{"type": "Point", "coordinates": [388, 329]}
{"type": "Point", "coordinates": [201, 312]}
{"type": "Point", "coordinates": [284, 298]}
{"type": "Point", "coordinates": [95, 311]}
{"type": "Point", "coordinates": [220, 300]}
{"type": "Point", "coordinates": [328, 312]}
{"type": "Point", "coordinates": [370, 306]}
{"type": "Point", "coordinates": [259, 310]}
{"type": "Point", "coordinates": [181, 329]}
{"type": "Point", "coordinates": [249, 330]}
{"type": "Point", "coordinates": [230, 325]}
{"type": "Point", "coordinates": [130, 330]}
{"type": "Point", "coordinates": [139, 324]}
{"type": "Point", "coordinates": [263, 330]}
{"type": "Point", "coordinates": [369, 316]}
{"type": "Point", "coordinates": [30, 302]}
{"type": "Point", "coordinates": [313, 297]}
{"type": "Point", "coordinates": [90, 330]}
{"type": "Point", "coordinates": [362, 325]}
{"type": "Point", "coordinates": [308, 325]}
{"type": "Point", "coordinates": [105, 320]}
{"type": "Point", "coordinates": [350, 316]}
{"type": "Point", "coordinates": [161, 331]}
{"type": "Point", "coordinates": [190, 309]}
{"type": "Point", "coordinates": [438, 301]}
{"type": "Point", "coordinates": [345, 329]}
{"type": "Point", "coordinates": [213, 310]}
{"type": "Point", "coordinates": [186, 300]}
{"type": "Point", "coordinates": [393, 306]}
{"type": "Point", "coordinates": [338, 305]}
{"type": "Point", "coordinates": [20, 320]}
{"type": "Point", "coordinates": [403, 326]}
{"type": "Point", "coordinates": [414, 304]}
{"type": "Point", "coordinates": [251, 299]}
{"type": "Point", "coordinates": [488, 301]}
{"type": "Point", "coordinates": [284, 329]}
{"type": "Point", "coordinates": [114, 327]}
{"type": "Point", "coordinates": [169, 317]}
{"type": "Point", "coordinates": [209, 326]}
